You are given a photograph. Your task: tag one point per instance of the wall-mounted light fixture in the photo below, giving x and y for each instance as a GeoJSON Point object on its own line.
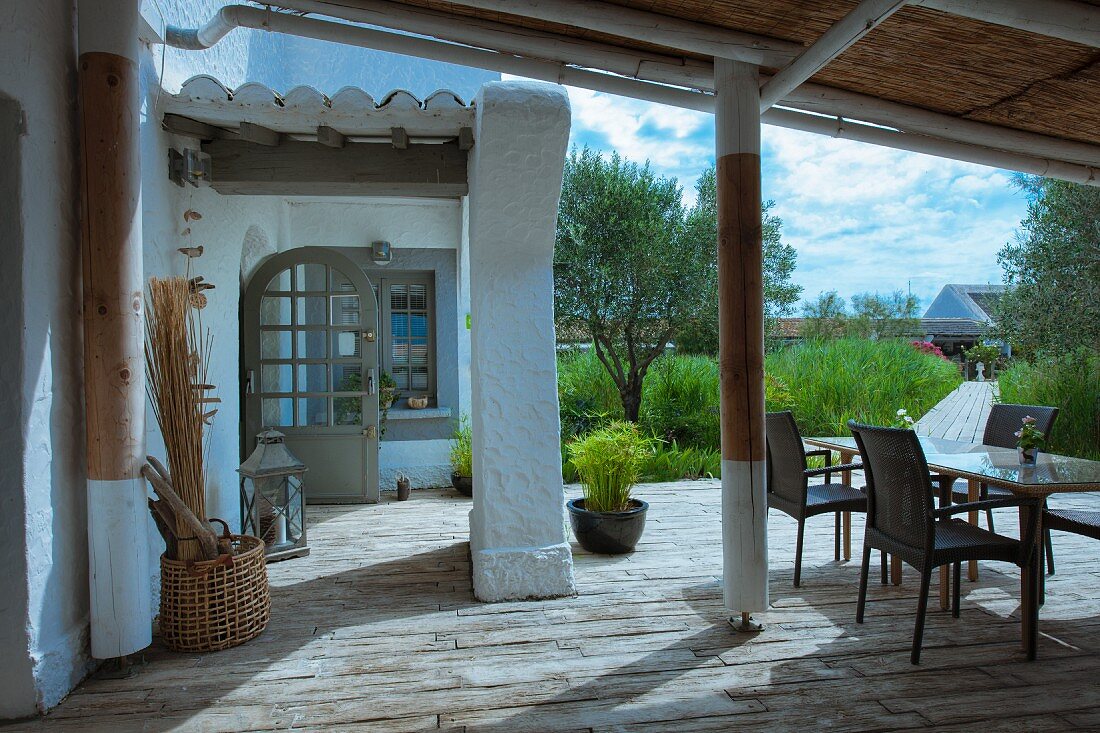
{"type": "Point", "coordinates": [380, 252]}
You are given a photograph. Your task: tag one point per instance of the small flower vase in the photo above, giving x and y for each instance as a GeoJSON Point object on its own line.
{"type": "Point", "coordinates": [1028, 456]}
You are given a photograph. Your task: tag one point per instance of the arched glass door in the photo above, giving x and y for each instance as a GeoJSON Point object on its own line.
{"type": "Point", "coordinates": [309, 332]}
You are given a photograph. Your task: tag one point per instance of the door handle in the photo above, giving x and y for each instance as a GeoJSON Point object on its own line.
{"type": "Point", "coordinates": [370, 382]}
{"type": "Point", "coordinates": [249, 379]}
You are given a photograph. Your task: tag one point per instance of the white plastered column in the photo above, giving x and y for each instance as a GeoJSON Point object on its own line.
{"type": "Point", "coordinates": [741, 338]}
{"type": "Point", "coordinates": [517, 532]}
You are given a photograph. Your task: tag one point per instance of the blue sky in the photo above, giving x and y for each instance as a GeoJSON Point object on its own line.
{"type": "Point", "coordinates": [862, 218]}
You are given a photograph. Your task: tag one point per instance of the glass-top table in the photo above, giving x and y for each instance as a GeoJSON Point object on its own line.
{"type": "Point", "coordinates": [984, 464]}
{"type": "Point", "coordinates": [994, 466]}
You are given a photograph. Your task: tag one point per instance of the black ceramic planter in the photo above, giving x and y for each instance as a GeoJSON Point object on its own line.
{"type": "Point", "coordinates": [607, 533]}
{"type": "Point", "coordinates": [463, 484]}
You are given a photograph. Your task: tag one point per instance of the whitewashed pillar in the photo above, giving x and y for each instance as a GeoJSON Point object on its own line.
{"type": "Point", "coordinates": [741, 337]}
{"type": "Point", "coordinates": [517, 534]}
{"type": "Point", "coordinates": [114, 366]}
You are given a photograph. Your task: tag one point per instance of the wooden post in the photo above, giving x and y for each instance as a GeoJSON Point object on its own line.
{"type": "Point", "coordinates": [741, 336]}
{"type": "Point", "coordinates": [114, 369]}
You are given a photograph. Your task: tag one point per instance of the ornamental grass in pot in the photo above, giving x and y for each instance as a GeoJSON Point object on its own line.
{"type": "Point", "coordinates": [462, 458]}
{"type": "Point", "coordinates": [608, 520]}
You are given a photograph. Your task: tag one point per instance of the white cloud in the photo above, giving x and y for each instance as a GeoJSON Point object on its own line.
{"type": "Point", "coordinates": [862, 217]}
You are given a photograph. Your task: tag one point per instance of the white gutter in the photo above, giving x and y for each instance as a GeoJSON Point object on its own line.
{"type": "Point", "coordinates": [560, 73]}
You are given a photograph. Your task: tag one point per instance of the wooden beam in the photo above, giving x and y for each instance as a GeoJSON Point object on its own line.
{"type": "Point", "coordinates": [306, 168]}
{"type": "Point", "coordinates": [329, 137]}
{"type": "Point", "coordinates": [465, 138]}
{"type": "Point", "coordinates": [259, 134]}
{"type": "Point", "coordinates": [603, 17]}
{"type": "Point", "coordinates": [741, 337]}
{"type": "Point", "coordinates": [1066, 19]}
{"type": "Point", "coordinates": [192, 128]}
{"type": "Point", "coordinates": [399, 138]}
{"type": "Point", "coordinates": [833, 42]}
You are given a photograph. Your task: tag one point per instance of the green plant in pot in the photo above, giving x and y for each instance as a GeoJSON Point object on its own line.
{"type": "Point", "coordinates": [608, 520]}
{"type": "Point", "coordinates": [462, 458]}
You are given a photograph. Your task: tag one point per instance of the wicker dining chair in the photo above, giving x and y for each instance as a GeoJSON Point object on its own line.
{"type": "Point", "coordinates": [903, 521]}
{"type": "Point", "coordinates": [1000, 428]}
{"type": "Point", "coordinates": [1075, 521]}
{"type": "Point", "coordinates": [789, 488]}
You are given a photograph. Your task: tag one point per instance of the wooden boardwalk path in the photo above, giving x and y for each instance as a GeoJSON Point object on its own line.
{"type": "Point", "coordinates": [377, 631]}
{"type": "Point", "coordinates": [960, 415]}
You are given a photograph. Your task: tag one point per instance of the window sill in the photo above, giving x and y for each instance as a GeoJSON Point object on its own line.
{"type": "Point", "coordinates": [427, 413]}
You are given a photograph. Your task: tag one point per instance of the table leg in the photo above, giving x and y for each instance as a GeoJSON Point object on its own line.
{"type": "Point", "coordinates": [1029, 586]}
{"type": "Point", "coordinates": [972, 488]}
{"type": "Point", "coordinates": [846, 479]}
{"type": "Point", "coordinates": [945, 485]}
{"type": "Point", "coordinates": [895, 570]}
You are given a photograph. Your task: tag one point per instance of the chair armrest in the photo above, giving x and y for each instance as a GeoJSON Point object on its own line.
{"type": "Point", "coordinates": [981, 506]}
{"type": "Point", "coordinates": [834, 469]}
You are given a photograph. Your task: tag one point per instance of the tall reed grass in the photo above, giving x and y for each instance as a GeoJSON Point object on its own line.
{"type": "Point", "coordinates": [833, 381]}
{"type": "Point", "coordinates": [1070, 382]}
{"type": "Point", "coordinates": [177, 358]}
{"type": "Point", "coordinates": [608, 461]}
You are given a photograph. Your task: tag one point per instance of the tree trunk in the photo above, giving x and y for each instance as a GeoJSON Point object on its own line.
{"type": "Point", "coordinates": [631, 396]}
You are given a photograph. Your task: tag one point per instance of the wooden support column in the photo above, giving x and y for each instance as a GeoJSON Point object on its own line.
{"type": "Point", "coordinates": [741, 337]}
{"type": "Point", "coordinates": [114, 369]}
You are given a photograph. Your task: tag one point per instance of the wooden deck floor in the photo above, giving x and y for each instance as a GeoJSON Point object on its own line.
{"type": "Point", "coordinates": [960, 415]}
{"type": "Point", "coordinates": [377, 631]}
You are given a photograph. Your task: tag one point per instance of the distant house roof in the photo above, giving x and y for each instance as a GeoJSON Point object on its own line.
{"type": "Point", "coordinates": [791, 328]}
{"type": "Point", "coordinates": [953, 327]}
{"type": "Point", "coordinates": [976, 302]}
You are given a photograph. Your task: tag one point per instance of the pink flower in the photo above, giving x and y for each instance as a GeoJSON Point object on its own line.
{"type": "Point", "coordinates": [1028, 420]}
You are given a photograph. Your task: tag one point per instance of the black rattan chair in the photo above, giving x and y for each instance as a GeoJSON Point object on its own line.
{"type": "Point", "coordinates": [1000, 428]}
{"type": "Point", "coordinates": [789, 488]}
{"type": "Point", "coordinates": [1076, 521]}
{"type": "Point", "coordinates": [902, 519]}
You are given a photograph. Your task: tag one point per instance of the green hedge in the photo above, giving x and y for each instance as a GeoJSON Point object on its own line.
{"type": "Point", "coordinates": [1070, 382]}
{"type": "Point", "coordinates": [824, 383]}
{"type": "Point", "coordinates": [833, 381]}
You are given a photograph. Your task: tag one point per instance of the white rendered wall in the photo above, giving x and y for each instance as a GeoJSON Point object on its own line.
{"type": "Point", "coordinates": [517, 536]}
{"type": "Point", "coordinates": [43, 538]}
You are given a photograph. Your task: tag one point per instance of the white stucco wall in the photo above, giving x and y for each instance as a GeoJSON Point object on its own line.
{"type": "Point", "coordinates": [43, 517]}
{"type": "Point", "coordinates": [517, 537]}
{"type": "Point", "coordinates": [43, 611]}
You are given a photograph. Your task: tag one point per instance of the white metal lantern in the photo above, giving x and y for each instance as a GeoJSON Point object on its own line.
{"type": "Point", "coordinates": [273, 505]}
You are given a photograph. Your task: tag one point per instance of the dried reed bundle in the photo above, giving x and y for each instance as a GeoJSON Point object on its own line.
{"type": "Point", "coordinates": [177, 358]}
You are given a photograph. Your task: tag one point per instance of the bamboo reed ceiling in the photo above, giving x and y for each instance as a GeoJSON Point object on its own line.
{"type": "Point", "coordinates": [919, 57]}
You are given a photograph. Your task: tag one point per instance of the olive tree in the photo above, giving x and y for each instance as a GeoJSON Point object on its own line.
{"type": "Point", "coordinates": [625, 274]}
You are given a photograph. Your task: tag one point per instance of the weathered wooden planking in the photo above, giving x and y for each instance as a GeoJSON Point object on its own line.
{"type": "Point", "coordinates": [378, 630]}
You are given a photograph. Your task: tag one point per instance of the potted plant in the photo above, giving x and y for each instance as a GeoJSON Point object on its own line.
{"type": "Point", "coordinates": [1029, 441]}
{"type": "Point", "coordinates": [462, 458]}
{"type": "Point", "coordinates": [607, 520]}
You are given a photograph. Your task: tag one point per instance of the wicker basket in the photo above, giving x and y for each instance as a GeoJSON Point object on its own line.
{"type": "Point", "coordinates": [207, 605]}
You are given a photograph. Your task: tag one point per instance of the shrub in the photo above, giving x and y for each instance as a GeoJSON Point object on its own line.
{"type": "Point", "coordinates": [609, 461]}
{"type": "Point", "coordinates": [830, 382]}
{"type": "Point", "coordinates": [680, 401]}
{"type": "Point", "coordinates": [1070, 382]}
{"type": "Point", "coordinates": [462, 457]}
{"type": "Point", "coordinates": [587, 396]}
{"type": "Point", "coordinates": [670, 462]}
{"type": "Point", "coordinates": [927, 347]}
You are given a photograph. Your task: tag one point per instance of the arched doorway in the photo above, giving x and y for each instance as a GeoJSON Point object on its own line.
{"type": "Point", "coordinates": [310, 368]}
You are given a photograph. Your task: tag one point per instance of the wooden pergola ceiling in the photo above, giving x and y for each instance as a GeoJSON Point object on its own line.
{"type": "Point", "coordinates": [920, 57]}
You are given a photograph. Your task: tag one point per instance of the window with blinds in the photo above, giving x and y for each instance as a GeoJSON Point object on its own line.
{"type": "Point", "coordinates": [408, 343]}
